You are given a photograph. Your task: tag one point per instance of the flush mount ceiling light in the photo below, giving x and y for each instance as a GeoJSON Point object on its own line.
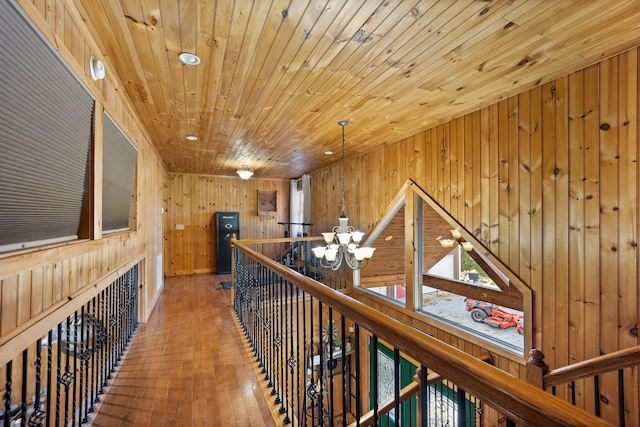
{"type": "Point", "coordinates": [189, 58]}
{"type": "Point", "coordinates": [96, 67]}
{"type": "Point", "coordinates": [245, 172]}
{"type": "Point", "coordinates": [192, 138]}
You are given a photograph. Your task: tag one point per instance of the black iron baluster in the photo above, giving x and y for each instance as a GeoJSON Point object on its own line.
{"type": "Point", "coordinates": [267, 325]}
{"type": "Point", "coordinates": [104, 351]}
{"type": "Point", "coordinates": [300, 377]}
{"type": "Point", "coordinates": [462, 407]}
{"type": "Point", "coordinates": [321, 368]}
{"type": "Point", "coordinates": [47, 409]}
{"type": "Point", "coordinates": [343, 357]}
{"type": "Point", "coordinates": [80, 343]}
{"type": "Point", "coordinates": [572, 385]}
{"type": "Point", "coordinates": [274, 374]}
{"type": "Point", "coordinates": [36, 417]}
{"type": "Point", "coordinates": [122, 315]}
{"type": "Point", "coordinates": [25, 373]}
{"type": "Point", "coordinates": [330, 366]}
{"type": "Point", "coordinates": [94, 355]}
{"type": "Point", "coordinates": [424, 397]}
{"type": "Point", "coordinates": [596, 392]}
{"type": "Point", "coordinates": [281, 351]}
{"type": "Point", "coordinates": [302, 411]}
{"type": "Point", "coordinates": [621, 421]}
{"type": "Point", "coordinates": [7, 394]}
{"type": "Point", "coordinates": [58, 372]}
{"type": "Point", "coordinates": [288, 344]}
{"type": "Point", "coordinates": [68, 375]}
{"type": "Point", "coordinates": [112, 335]}
{"type": "Point", "coordinates": [271, 327]}
{"type": "Point", "coordinates": [258, 329]}
{"type": "Point", "coordinates": [75, 368]}
{"type": "Point", "coordinates": [356, 344]}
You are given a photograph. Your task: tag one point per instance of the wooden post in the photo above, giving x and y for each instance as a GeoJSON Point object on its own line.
{"type": "Point", "coordinates": [536, 368]}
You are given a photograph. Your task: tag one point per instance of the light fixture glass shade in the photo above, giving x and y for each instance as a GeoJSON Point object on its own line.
{"type": "Point", "coordinates": [330, 254]}
{"type": "Point", "coordinates": [189, 58]}
{"type": "Point", "coordinates": [467, 246]}
{"type": "Point", "coordinates": [357, 236]}
{"type": "Point", "coordinates": [447, 243]}
{"type": "Point", "coordinates": [245, 172]}
{"type": "Point", "coordinates": [359, 253]}
{"type": "Point", "coordinates": [368, 252]}
{"type": "Point", "coordinates": [344, 238]}
{"type": "Point", "coordinates": [456, 234]}
{"type": "Point", "coordinates": [319, 251]}
{"type": "Point", "coordinates": [328, 237]}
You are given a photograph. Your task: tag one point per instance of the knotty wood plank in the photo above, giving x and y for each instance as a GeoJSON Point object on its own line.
{"type": "Point", "coordinates": [485, 172]}
{"type": "Point", "coordinates": [503, 179]}
{"type": "Point", "coordinates": [562, 212]}
{"type": "Point", "coordinates": [445, 137]}
{"type": "Point", "coordinates": [468, 174]}
{"type": "Point", "coordinates": [514, 186]}
{"type": "Point", "coordinates": [576, 265]}
{"type": "Point", "coordinates": [609, 220]}
{"type": "Point", "coordinates": [524, 186]}
{"type": "Point", "coordinates": [460, 127]}
{"type": "Point", "coordinates": [628, 225]}
{"type": "Point", "coordinates": [545, 315]}
{"type": "Point", "coordinates": [455, 160]}
{"type": "Point", "coordinates": [536, 204]}
{"type": "Point", "coordinates": [493, 235]}
{"type": "Point", "coordinates": [475, 169]}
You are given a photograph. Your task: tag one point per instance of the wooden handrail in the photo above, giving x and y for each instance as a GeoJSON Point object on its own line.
{"type": "Point", "coordinates": [519, 400]}
{"type": "Point", "coordinates": [599, 365]}
{"type": "Point", "coordinates": [282, 240]}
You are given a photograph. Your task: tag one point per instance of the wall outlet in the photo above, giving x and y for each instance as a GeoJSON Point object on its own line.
{"type": "Point", "coordinates": [179, 226]}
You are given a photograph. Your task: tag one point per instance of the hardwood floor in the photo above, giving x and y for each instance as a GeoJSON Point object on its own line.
{"type": "Point", "coordinates": [188, 366]}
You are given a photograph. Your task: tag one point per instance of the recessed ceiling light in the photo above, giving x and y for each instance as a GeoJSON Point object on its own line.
{"type": "Point", "coordinates": [192, 137]}
{"type": "Point", "coordinates": [189, 58]}
{"type": "Point", "coordinates": [328, 153]}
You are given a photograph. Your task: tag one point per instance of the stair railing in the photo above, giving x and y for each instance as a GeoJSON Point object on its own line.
{"type": "Point", "coordinates": [617, 362]}
{"type": "Point", "coordinates": [56, 369]}
{"type": "Point", "coordinates": [282, 311]}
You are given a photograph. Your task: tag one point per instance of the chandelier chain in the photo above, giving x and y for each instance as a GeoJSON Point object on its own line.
{"type": "Point", "coordinates": [344, 211]}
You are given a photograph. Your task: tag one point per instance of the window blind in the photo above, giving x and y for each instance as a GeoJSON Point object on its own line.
{"type": "Point", "coordinates": [118, 174]}
{"type": "Point", "coordinates": [45, 136]}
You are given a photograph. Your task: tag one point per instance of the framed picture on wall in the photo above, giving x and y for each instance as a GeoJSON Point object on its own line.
{"type": "Point", "coordinates": [267, 203]}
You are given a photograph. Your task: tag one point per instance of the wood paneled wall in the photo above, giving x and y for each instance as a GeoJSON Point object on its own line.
{"type": "Point", "coordinates": [193, 200]}
{"type": "Point", "coordinates": [37, 281]}
{"type": "Point", "coordinates": [548, 180]}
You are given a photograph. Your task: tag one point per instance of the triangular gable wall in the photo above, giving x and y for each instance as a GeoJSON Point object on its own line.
{"type": "Point", "coordinates": [406, 241]}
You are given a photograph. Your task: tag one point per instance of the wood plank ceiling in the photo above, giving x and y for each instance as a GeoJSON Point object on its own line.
{"type": "Point", "coordinates": [276, 76]}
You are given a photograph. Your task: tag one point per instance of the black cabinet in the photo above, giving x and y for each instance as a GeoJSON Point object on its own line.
{"type": "Point", "coordinates": [227, 224]}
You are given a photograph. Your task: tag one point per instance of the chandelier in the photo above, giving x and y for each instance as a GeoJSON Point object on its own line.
{"type": "Point", "coordinates": [343, 242]}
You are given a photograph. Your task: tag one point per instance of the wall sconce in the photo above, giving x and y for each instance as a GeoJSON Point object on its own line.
{"type": "Point", "coordinates": [456, 234]}
{"type": "Point", "coordinates": [96, 67]}
{"type": "Point", "coordinates": [467, 246]}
